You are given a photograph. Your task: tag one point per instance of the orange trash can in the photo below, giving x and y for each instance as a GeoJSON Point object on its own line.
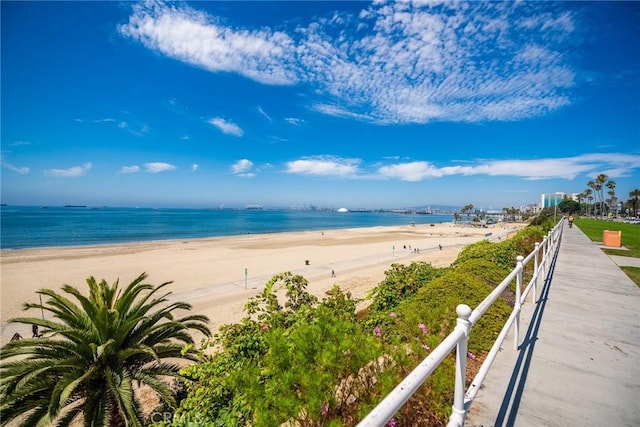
{"type": "Point", "coordinates": [612, 238]}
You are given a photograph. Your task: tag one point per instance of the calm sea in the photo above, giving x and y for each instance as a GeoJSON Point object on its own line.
{"type": "Point", "coordinates": [32, 227]}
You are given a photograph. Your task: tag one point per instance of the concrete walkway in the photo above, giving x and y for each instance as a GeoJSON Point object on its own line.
{"type": "Point", "coordinates": [579, 363]}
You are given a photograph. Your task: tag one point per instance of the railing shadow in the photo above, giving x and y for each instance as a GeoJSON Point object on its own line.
{"type": "Point", "coordinates": [513, 395]}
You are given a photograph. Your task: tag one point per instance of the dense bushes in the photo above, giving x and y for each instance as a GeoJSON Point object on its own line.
{"type": "Point", "coordinates": [319, 363]}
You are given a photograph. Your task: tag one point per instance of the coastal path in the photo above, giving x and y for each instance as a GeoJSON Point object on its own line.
{"type": "Point", "coordinates": [579, 361]}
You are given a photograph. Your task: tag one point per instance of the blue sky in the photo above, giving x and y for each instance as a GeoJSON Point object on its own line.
{"type": "Point", "coordinates": [354, 104]}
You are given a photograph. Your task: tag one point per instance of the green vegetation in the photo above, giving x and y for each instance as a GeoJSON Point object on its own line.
{"type": "Point", "coordinates": [85, 364]}
{"type": "Point", "coordinates": [297, 360]}
{"type": "Point", "coordinates": [293, 359]}
{"type": "Point", "coordinates": [633, 273]}
{"type": "Point", "coordinates": [593, 228]}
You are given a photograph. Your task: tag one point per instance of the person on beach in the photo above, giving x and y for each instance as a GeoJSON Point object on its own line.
{"type": "Point", "coordinates": [333, 273]}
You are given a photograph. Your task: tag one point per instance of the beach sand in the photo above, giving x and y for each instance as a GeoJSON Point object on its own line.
{"type": "Point", "coordinates": [218, 275]}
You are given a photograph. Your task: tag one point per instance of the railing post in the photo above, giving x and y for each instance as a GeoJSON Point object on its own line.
{"type": "Point", "coordinates": [548, 251]}
{"type": "Point", "coordinates": [457, 412]}
{"type": "Point", "coordinates": [518, 304]}
{"type": "Point", "coordinates": [543, 258]}
{"type": "Point", "coordinates": [535, 272]}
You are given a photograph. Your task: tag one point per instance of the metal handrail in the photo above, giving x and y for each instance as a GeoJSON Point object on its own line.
{"type": "Point", "coordinates": [459, 338]}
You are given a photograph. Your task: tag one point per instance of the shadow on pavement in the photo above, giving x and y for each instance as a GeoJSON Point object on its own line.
{"type": "Point", "coordinates": [513, 395]}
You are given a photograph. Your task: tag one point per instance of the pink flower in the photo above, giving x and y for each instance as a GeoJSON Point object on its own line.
{"type": "Point", "coordinates": [392, 422]}
{"type": "Point", "coordinates": [325, 409]}
{"type": "Point", "coordinates": [426, 347]}
{"type": "Point", "coordinates": [392, 314]}
{"type": "Point", "coordinates": [422, 327]}
{"type": "Point", "coordinates": [377, 331]}
{"type": "Point", "coordinates": [264, 326]}
{"type": "Point", "coordinates": [471, 356]}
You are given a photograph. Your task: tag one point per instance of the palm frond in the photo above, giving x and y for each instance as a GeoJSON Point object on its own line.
{"type": "Point", "coordinates": [93, 346]}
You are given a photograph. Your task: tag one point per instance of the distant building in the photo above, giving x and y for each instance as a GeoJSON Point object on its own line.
{"type": "Point", "coordinates": [549, 200]}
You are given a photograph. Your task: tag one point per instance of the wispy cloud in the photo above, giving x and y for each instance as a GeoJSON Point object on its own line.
{"type": "Point", "coordinates": [22, 170]}
{"type": "Point", "coordinates": [72, 172]}
{"type": "Point", "coordinates": [140, 129]}
{"type": "Point", "coordinates": [195, 38]}
{"type": "Point", "coordinates": [156, 167]}
{"type": "Point", "coordinates": [130, 169]}
{"type": "Point", "coordinates": [19, 143]}
{"type": "Point", "coordinates": [227, 127]}
{"type": "Point", "coordinates": [412, 171]}
{"type": "Point", "coordinates": [195, 167]}
{"type": "Point", "coordinates": [588, 165]}
{"type": "Point", "coordinates": [614, 164]}
{"type": "Point", "coordinates": [243, 168]}
{"type": "Point", "coordinates": [265, 115]}
{"type": "Point", "coordinates": [325, 166]}
{"type": "Point", "coordinates": [403, 62]}
{"type": "Point", "coordinates": [293, 121]}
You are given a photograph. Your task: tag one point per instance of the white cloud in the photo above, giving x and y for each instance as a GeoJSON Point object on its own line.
{"type": "Point", "coordinates": [412, 171]}
{"type": "Point", "coordinates": [227, 127]}
{"type": "Point", "coordinates": [156, 167]}
{"type": "Point", "coordinates": [19, 143]}
{"type": "Point", "coordinates": [615, 164]}
{"type": "Point", "coordinates": [326, 166]}
{"type": "Point", "coordinates": [130, 169]}
{"type": "Point", "coordinates": [294, 121]}
{"type": "Point", "coordinates": [242, 168]}
{"type": "Point", "coordinates": [195, 38]}
{"type": "Point", "coordinates": [194, 167]}
{"type": "Point", "coordinates": [261, 111]}
{"type": "Point", "coordinates": [72, 172]}
{"type": "Point", "coordinates": [404, 62]}
{"type": "Point", "coordinates": [22, 170]}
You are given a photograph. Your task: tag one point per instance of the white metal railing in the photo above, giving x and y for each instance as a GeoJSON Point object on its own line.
{"type": "Point", "coordinates": [542, 256]}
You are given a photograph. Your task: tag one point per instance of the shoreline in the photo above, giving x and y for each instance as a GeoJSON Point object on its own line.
{"type": "Point", "coordinates": [217, 275]}
{"type": "Point", "coordinates": [207, 238]}
{"type": "Point", "coordinates": [94, 227]}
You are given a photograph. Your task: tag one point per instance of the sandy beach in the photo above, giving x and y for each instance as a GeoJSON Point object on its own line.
{"type": "Point", "coordinates": [217, 275]}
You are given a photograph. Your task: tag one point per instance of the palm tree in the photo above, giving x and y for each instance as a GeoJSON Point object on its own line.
{"type": "Point", "coordinates": [580, 197]}
{"type": "Point", "coordinates": [594, 191]}
{"type": "Point", "coordinates": [613, 200]}
{"type": "Point", "coordinates": [601, 179]}
{"type": "Point", "coordinates": [467, 209]}
{"type": "Point", "coordinates": [92, 352]}
{"type": "Point", "coordinates": [588, 196]}
{"type": "Point", "coordinates": [635, 194]}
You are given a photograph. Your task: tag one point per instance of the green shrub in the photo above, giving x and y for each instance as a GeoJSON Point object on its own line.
{"type": "Point", "coordinates": [312, 363]}
{"type": "Point", "coordinates": [400, 283]}
{"type": "Point", "coordinates": [501, 254]}
{"type": "Point", "coordinates": [303, 362]}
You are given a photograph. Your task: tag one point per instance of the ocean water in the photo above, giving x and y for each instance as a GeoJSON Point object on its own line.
{"type": "Point", "coordinates": [33, 227]}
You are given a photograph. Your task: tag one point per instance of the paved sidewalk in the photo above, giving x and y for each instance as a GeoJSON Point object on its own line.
{"type": "Point", "coordinates": [579, 364]}
{"type": "Point", "coordinates": [625, 261]}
